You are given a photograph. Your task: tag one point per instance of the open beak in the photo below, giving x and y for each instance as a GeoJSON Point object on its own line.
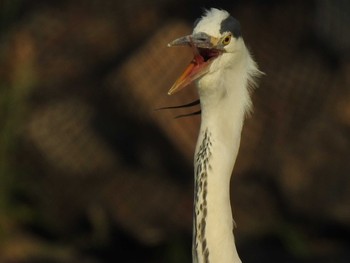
{"type": "Point", "coordinates": [204, 50]}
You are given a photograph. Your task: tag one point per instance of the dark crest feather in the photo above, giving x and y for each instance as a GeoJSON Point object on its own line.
{"type": "Point", "coordinates": [191, 104]}
{"type": "Point", "coordinates": [188, 115]}
{"type": "Point", "coordinates": [230, 24]}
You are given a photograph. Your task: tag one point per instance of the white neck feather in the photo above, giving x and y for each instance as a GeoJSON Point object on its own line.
{"type": "Point", "coordinates": [225, 100]}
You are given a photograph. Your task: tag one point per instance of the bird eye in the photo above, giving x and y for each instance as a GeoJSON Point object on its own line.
{"type": "Point", "coordinates": [226, 40]}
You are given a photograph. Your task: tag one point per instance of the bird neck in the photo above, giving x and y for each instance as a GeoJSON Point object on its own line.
{"type": "Point", "coordinates": [217, 147]}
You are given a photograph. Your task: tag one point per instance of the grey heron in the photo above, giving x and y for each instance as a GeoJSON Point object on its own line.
{"type": "Point", "coordinates": [224, 73]}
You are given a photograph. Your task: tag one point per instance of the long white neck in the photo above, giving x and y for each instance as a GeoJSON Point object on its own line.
{"type": "Point", "coordinates": [224, 97]}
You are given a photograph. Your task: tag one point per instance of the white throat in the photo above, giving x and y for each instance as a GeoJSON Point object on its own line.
{"type": "Point", "coordinates": [224, 96]}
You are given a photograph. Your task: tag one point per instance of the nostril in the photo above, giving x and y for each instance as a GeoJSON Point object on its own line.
{"type": "Point", "coordinates": [202, 37]}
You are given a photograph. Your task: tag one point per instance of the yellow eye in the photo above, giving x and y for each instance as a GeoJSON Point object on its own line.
{"type": "Point", "coordinates": [226, 40]}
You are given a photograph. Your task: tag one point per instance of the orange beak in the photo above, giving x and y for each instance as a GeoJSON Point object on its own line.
{"type": "Point", "coordinates": [204, 52]}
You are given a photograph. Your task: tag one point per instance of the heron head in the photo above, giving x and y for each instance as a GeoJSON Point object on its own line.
{"type": "Point", "coordinates": [215, 35]}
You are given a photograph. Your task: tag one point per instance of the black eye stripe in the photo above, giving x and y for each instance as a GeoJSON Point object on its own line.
{"type": "Point", "coordinates": [232, 25]}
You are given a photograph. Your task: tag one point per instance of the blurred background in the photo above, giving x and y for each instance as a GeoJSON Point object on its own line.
{"type": "Point", "coordinates": [91, 173]}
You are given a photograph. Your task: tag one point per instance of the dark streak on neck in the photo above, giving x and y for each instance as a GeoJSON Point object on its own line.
{"type": "Point", "coordinates": [200, 203]}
